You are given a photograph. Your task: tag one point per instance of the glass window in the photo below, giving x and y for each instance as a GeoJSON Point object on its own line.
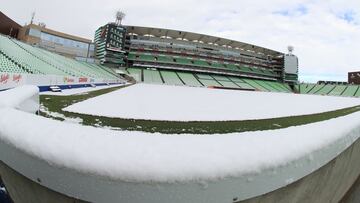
{"type": "Point", "coordinates": [34, 32]}
{"type": "Point", "coordinates": [64, 41]}
{"type": "Point", "coordinates": [92, 47]}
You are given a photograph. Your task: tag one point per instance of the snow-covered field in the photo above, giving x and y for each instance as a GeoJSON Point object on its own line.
{"type": "Point", "coordinates": [175, 103]}
{"type": "Point", "coordinates": [67, 92]}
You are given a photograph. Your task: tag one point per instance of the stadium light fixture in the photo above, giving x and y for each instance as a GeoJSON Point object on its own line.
{"type": "Point", "coordinates": [120, 15]}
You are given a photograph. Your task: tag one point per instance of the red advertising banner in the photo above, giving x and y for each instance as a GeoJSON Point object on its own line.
{"type": "Point", "coordinates": [83, 80]}
{"type": "Point", "coordinates": [16, 78]}
{"type": "Point", "coordinates": [69, 80]}
{"type": "Point", "coordinates": [4, 78]}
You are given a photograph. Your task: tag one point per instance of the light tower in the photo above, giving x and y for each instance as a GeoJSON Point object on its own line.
{"type": "Point", "coordinates": [119, 17]}
{"type": "Point", "coordinates": [32, 17]}
{"type": "Point", "coordinates": [290, 49]}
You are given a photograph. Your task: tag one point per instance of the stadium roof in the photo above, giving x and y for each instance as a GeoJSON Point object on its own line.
{"type": "Point", "coordinates": [196, 37]}
{"type": "Point", "coordinates": [8, 26]}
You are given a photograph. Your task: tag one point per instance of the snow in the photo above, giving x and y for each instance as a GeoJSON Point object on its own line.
{"type": "Point", "coordinates": [67, 92]}
{"type": "Point", "coordinates": [176, 103]}
{"type": "Point", "coordinates": [154, 157]}
{"type": "Point", "coordinates": [141, 156]}
{"type": "Point", "coordinates": [16, 96]}
{"type": "Point", "coordinates": [62, 116]}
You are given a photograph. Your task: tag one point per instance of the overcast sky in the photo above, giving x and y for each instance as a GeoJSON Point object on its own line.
{"type": "Point", "coordinates": [325, 34]}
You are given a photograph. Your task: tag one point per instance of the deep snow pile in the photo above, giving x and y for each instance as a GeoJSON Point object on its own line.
{"type": "Point", "coordinates": [25, 98]}
{"type": "Point", "coordinates": [139, 156]}
{"type": "Point", "coordinates": [160, 102]}
{"type": "Point", "coordinates": [16, 96]}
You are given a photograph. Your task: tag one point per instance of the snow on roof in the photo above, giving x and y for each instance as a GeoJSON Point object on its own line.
{"type": "Point", "coordinates": [140, 156]}
{"type": "Point", "coordinates": [177, 103]}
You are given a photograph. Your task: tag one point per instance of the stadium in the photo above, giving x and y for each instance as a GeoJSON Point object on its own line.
{"type": "Point", "coordinates": [144, 114]}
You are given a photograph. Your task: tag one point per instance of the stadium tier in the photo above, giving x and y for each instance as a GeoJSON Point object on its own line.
{"type": "Point", "coordinates": [330, 89]}
{"type": "Point", "coordinates": [164, 50]}
{"type": "Point", "coordinates": [19, 57]}
{"type": "Point", "coordinates": [162, 56]}
{"type": "Point", "coordinates": [172, 77]}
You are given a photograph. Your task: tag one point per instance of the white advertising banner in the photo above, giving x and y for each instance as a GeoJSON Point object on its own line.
{"type": "Point", "coordinates": [10, 80]}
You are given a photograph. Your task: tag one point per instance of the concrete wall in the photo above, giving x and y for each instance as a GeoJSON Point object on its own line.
{"type": "Point", "coordinates": [328, 184]}
{"type": "Point", "coordinates": [23, 190]}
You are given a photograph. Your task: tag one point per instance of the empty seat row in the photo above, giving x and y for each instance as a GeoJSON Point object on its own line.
{"type": "Point", "coordinates": [330, 89]}
{"type": "Point", "coordinates": [171, 77]}
{"type": "Point", "coordinates": [198, 63]}
{"type": "Point", "coordinates": [20, 57]}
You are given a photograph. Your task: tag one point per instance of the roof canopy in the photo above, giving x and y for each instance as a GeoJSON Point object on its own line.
{"type": "Point", "coordinates": [195, 37]}
{"type": "Point", "coordinates": [8, 26]}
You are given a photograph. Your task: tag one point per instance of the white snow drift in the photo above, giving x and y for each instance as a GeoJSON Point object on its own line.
{"type": "Point", "coordinates": [15, 97]}
{"type": "Point", "coordinates": [25, 98]}
{"type": "Point", "coordinates": [139, 156]}
{"type": "Point", "coordinates": [155, 159]}
{"type": "Point", "coordinates": [159, 102]}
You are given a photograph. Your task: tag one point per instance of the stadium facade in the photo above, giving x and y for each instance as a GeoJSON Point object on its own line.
{"type": "Point", "coordinates": [145, 48]}
{"type": "Point", "coordinates": [61, 43]}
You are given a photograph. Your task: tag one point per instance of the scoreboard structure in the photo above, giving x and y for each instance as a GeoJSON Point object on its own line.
{"type": "Point", "coordinates": [110, 42]}
{"type": "Point", "coordinates": [354, 78]}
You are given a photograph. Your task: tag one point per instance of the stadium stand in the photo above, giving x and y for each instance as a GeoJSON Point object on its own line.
{"type": "Point", "coordinates": [266, 85]}
{"type": "Point", "coordinates": [325, 90]}
{"type": "Point", "coordinates": [19, 57]}
{"type": "Point", "coordinates": [225, 82]}
{"type": "Point", "coordinates": [241, 83]}
{"type": "Point", "coordinates": [152, 76]}
{"type": "Point", "coordinates": [316, 88]}
{"type": "Point", "coordinates": [195, 62]}
{"type": "Point", "coordinates": [172, 77]}
{"type": "Point", "coordinates": [338, 90]}
{"type": "Point", "coordinates": [330, 89]}
{"type": "Point", "coordinates": [357, 94]}
{"type": "Point", "coordinates": [189, 79]}
{"type": "Point", "coordinates": [255, 85]}
{"type": "Point", "coordinates": [350, 91]}
{"type": "Point", "coordinates": [9, 66]}
{"type": "Point", "coordinates": [305, 88]}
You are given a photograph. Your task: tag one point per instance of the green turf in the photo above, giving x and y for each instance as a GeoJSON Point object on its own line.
{"type": "Point", "coordinates": [56, 103]}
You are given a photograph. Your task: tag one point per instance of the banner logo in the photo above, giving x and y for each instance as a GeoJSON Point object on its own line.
{"type": "Point", "coordinates": [68, 80]}
{"type": "Point", "coordinates": [17, 78]}
{"type": "Point", "coordinates": [4, 78]}
{"type": "Point", "coordinates": [83, 79]}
